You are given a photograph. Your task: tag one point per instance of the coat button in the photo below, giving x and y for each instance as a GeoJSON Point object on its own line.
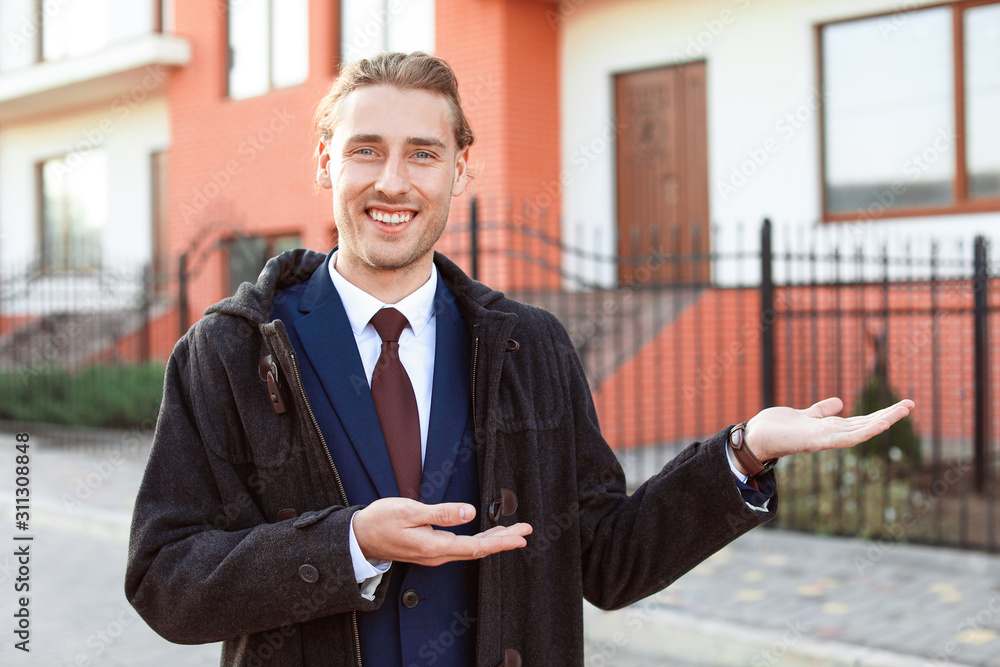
{"type": "Point", "coordinates": [410, 599]}
{"type": "Point", "coordinates": [309, 574]}
{"type": "Point", "coordinates": [288, 513]}
{"type": "Point", "coordinates": [505, 505]}
{"type": "Point", "coordinates": [511, 658]}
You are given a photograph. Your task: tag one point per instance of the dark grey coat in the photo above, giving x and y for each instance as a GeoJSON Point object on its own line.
{"type": "Point", "coordinates": [210, 560]}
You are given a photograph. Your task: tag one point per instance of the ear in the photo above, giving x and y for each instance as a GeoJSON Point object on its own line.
{"type": "Point", "coordinates": [461, 172]}
{"type": "Point", "coordinates": [323, 167]}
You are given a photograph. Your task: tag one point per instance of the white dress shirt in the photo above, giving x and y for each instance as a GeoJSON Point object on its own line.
{"type": "Point", "coordinates": [417, 344]}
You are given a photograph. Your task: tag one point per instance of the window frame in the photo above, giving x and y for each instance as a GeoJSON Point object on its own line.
{"type": "Point", "coordinates": [39, 17]}
{"type": "Point", "coordinates": [270, 238]}
{"type": "Point", "coordinates": [46, 264]}
{"type": "Point", "coordinates": [159, 215]}
{"type": "Point", "coordinates": [961, 203]}
{"type": "Point", "coordinates": [271, 87]}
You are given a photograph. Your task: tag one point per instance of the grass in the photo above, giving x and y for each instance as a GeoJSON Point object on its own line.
{"type": "Point", "coordinates": [113, 396]}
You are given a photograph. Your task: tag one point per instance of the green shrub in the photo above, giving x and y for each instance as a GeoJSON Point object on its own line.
{"type": "Point", "coordinates": [841, 492]}
{"type": "Point", "coordinates": [901, 436]}
{"type": "Point", "coordinates": [113, 396]}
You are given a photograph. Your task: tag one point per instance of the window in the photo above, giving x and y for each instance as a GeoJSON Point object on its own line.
{"type": "Point", "coordinates": [908, 100]}
{"type": "Point", "coordinates": [74, 28]}
{"type": "Point", "coordinates": [268, 45]}
{"type": "Point", "coordinates": [248, 254]}
{"type": "Point", "coordinates": [982, 99]}
{"type": "Point", "coordinates": [73, 194]}
{"type": "Point", "coordinates": [20, 45]}
{"type": "Point", "coordinates": [46, 30]}
{"type": "Point", "coordinates": [370, 26]}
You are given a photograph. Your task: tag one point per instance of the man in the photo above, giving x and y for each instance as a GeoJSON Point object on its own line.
{"type": "Point", "coordinates": [352, 454]}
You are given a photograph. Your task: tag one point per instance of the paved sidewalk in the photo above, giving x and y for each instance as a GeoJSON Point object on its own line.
{"type": "Point", "coordinates": [80, 512]}
{"type": "Point", "coordinates": [778, 598]}
{"type": "Point", "coordinates": [770, 598]}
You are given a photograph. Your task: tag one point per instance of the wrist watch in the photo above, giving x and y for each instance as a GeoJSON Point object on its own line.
{"type": "Point", "coordinates": [746, 458]}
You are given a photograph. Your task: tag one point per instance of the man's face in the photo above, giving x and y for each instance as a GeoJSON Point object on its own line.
{"type": "Point", "coordinates": [393, 165]}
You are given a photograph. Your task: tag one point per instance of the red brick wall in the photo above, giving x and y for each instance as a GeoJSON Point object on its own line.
{"type": "Point", "coordinates": [505, 53]}
{"type": "Point", "coordinates": [242, 165]}
{"type": "Point", "coordinates": [701, 373]}
{"type": "Point", "coordinates": [12, 323]}
{"type": "Point", "coordinates": [820, 356]}
{"type": "Point", "coordinates": [162, 335]}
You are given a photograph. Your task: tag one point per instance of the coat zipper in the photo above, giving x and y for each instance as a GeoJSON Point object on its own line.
{"type": "Point", "coordinates": [475, 367]}
{"type": "Point", "coordinates": [340, 485]}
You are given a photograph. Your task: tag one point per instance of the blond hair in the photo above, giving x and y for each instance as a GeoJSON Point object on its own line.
{"type": "Point", "coordinates": [408, 71]}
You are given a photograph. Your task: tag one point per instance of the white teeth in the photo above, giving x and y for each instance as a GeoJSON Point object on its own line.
{"type": "Point", "coordinates": [390, 218]}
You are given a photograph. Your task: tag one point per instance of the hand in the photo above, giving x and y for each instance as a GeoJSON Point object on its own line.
{"type": "Point", "coordinates": [776, 432]}
{"type": "Point", "coordinates": [400, 529]}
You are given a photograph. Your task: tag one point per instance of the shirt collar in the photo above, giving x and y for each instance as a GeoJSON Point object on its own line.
{"type": "Point", "coordinates": [417, 307]}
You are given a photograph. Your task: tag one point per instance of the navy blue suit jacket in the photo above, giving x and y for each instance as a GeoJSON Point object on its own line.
{"type": "Point", "coordinates": [442, 623]}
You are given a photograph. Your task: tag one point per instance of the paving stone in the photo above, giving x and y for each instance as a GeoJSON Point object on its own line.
{"type": "Point", "coordinates": [910, 601]}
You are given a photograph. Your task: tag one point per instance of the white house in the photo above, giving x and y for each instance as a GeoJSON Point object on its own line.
{"type": "Point", "coordinates": [862, 120]}
{"type": "Point", "coordinates": [83, 130]}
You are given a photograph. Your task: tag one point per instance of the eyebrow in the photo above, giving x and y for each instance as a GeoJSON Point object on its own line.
{"type": "Point", "coordinates": [378, 139]}
{"type": "Point", "coordinates": [423, 141]}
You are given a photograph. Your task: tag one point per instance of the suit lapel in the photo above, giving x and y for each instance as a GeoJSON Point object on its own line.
{"type": "Point", "coordinates": [328, 340]}
{"type": "Point", "coordinates": [450, 397]}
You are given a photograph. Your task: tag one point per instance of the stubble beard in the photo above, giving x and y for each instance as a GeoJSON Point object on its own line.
{"type": "Point", "coordinates": [374, 260]}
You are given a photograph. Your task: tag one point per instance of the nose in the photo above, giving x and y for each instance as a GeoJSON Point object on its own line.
{"type": "Point", "coordinates": [394, 179]}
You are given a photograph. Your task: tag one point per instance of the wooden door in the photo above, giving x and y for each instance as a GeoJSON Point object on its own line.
{"type": "Point", "coordinates": [662, 175]}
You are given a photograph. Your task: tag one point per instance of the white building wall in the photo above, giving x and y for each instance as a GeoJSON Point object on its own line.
{"type": "Point", "coordinates": [128, 132]}
{"type": "Point", "coordinates": [762, 94]}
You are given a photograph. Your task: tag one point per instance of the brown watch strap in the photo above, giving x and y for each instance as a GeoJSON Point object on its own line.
{"type": "Point", "coordinates": [746, 458]}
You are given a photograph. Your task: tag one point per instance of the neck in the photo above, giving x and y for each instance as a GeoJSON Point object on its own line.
{"type": "Point", "coordinates": [386, 285]}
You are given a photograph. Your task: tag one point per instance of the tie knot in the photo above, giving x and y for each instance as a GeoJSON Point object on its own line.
{"type": "Point", "coordinates": [389, 323]}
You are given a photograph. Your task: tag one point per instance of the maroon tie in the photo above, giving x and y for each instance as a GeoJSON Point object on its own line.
{"type": "Point", "coordinates": [396, 405]}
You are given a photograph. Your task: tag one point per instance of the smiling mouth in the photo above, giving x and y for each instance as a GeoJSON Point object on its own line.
{"type": "Point", "coordinates": [390, 217]}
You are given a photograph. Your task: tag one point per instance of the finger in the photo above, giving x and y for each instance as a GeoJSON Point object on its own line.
{"type": "Point", "coordinates": [858, 434]}
{"type": "Point", "coordinates": [492, 531]}
{"type": "Point", "coordinates": [444, 514]}
{"type": "Point", "coordinates": [507, 539]}
{"type": "Point", "coordinates": [891, 414]}
{"type": "Point", "coordinates": [522, 529]}
{"type": "Point", "coordinates": [895, 413]}
{"type": "Point", "coordinates": [826, 408]}
{"type": "Point", "coordinates": [902, 407]}
{"type": "Point", "coordinates": [442, 546]}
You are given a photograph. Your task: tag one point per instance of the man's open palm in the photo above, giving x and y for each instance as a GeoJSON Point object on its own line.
{"type": "Point", "coordinates": [400, 529]}
{"type": "Point", "coordinates": [780, 431]}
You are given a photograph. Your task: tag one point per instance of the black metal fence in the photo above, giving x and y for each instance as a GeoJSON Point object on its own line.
{"type": "Point", "coordinates": [677, 343]}
{"type": "Point", "coordinates": [75, 347]}
{"type": "Point", "coordinates": [784, 317]}
{"type": "Point", "coordinates": [889, 320]}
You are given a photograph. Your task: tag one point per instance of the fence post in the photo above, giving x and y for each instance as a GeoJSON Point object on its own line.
{"type": "Point", "coordinates": [474, 236]}
{"type": "Point", "coordinates": [182, 294]}
{"type": "Point", "coordinates": [767, 316]}
{"type": "Point", "coordinates": [981, 360]}
{"type": "Point", "coordinates": [144, 305]}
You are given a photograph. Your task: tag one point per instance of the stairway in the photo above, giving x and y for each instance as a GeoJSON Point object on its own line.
{"type": "Point", "coordinates": [609, 326]}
